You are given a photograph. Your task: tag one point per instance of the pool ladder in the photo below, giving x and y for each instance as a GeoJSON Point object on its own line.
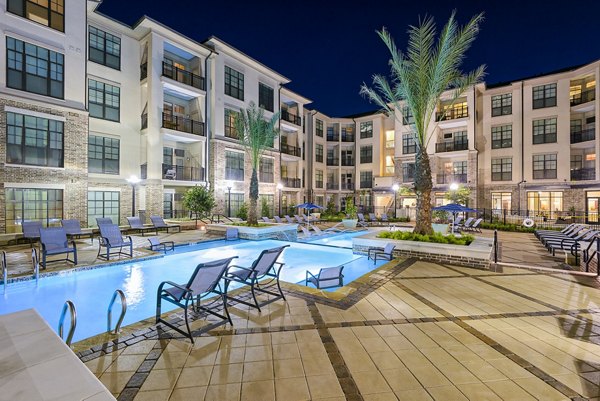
{"type": "Point", "coordinates": [121, 316]}
{"type": "Point", "coordinates": [71, 307]}
{"type": "Point", "coordinates": [4, 270]}
{"type": "Point", "coordinates": [35, 261]}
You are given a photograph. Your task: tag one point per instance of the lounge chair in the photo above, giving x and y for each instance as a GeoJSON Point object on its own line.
{"type": "Point", "coordinates": [383, 253]}
{"type": "Point", "coordinates": [335, 229]}
{"type": "Point", "coordinates": [299, 219]}
{"type": "Point", "coordinates": [232, 234]}
{"type": "Point", "coordinates": [384, 218]}
{"type": "Point", "coordinates": [73, 229]}
{"type": "Point", "coordinates": [317, 230]}
{"type": "Point", "coordinates": [31, 230]}
{"type": "Point", "coordinates": [305, 231]}
{"type": "Point", "coordinates": [574, 233]}
{"type": "Point", "coordinates": [538, 233]}
{"type": "Point", "coordinates": [289, 219]}
{"type": "Point", "coordinates": [157, 245]}
{"type": "Point", "coordinates": [159, 223]}
{"type": "Point", "coordinates": [361, 220]}
{"type": "Point", "coordinates": [136, 224]}
{"type": "Point", "coordinates": [278, 219]}
{"type": "Point", "coordinates": [328, 277]}
{"type": "Point", "coordinates": [103, 220]}
{"type": "Point", "coordinates": [205, 281]}
{"type": "Point", "coordinates": [561, 243]}
{"type": "Point", "coordinates": [110, 237]}
{"type": "Point", "coordinates": [373, 218]}
{"type": "Point", "coordinates": [475, 226]}
{"type": "Point", "coordinates": [466, 226]}
{"type": "Point", "coordinates": [263, 268]}
{"type": "Point", "coordinates": [54, 242]}
{"type": "Point", "coordinates": [266, 219]}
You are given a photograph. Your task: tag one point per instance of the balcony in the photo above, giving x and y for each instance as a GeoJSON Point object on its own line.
{"type": "Point", "coordinates": [183, 76]}
{"type": "Point", "coordinates": [333, 161]}
{"type": "Point", "coordinates": [182, 124]}
{"type": "Point", "coordinates": [333, 185]}
{"type": "Point", "coordinates": [143, 71]}
{"type": "Point", "coordinates": [182, 173]}
{"type": "Point", "coordinates": [331, 137]}
{"type": "Point", "coordinates": [291, 182]}
{"type": "Point", "coordinates": [144, 120]}
{"type": "Point", "coordinates": [583, 135]}
{"type": "Point", "coordinates": [583, 174]}
{"type": "Point", "coordinates": [318, 184]}
{"type": "Point", "coordinates": [347, 186]}
{"type": "Point", "coordinates": [457, 111]}
{"type": "Point", "coordinates": [442, 147]}
{"type": "Point", "coordinates": [290, 150]}
{"type": "Point", "coordinates": [366, 184]}
{"type": "Point", "coordinates": [348, 138]}
{"type": "Point", "coordinates": [583, 97]}
{"type": "Point", "coordinates": [451, 178]}
{"type": "Point", "coordinates": [348, 162]}
{"type": "Point", "coordinates": [291, 118]}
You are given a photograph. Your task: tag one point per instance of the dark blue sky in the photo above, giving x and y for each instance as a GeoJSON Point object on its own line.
{"type": "Point", "coordinates": [328, 48]}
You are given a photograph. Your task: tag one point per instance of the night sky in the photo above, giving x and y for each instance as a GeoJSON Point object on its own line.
{"type": "Point", "coordinates": [328, 48]}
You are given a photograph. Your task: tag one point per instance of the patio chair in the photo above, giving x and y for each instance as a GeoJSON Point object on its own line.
{"type": "Point", "coordinates": [289, 219]}
{"type": "Point", "coordinates": [157, 245]}
{"type": "Point", "coordinates": [475, 226]}
{"type": "Point", "coordinates": [263, 268]}
{"type": "Point", "coordinates": [305, 231]}
{"type": "Point", "coordinates": [73, 229]}
{"type": "Point", "coordinates": [383, 253]}
{"type": "Point", "coordinates": [136, 224]}
{"type": "Point", "coordinates": [31, 230]}
{"type": "Point", "coordinates": [159, 223]}
{"type": "Point", "coordinates": [204, 281]}
{"type": "Point", "coordinates": [384, 218]}
{"type": "Point", "coordinates": [373, 218]}
{"type": "Point", "coordinates": [278, 219]}
{"type": "Point", "coordinates": [328, 277]}
{"type": "Point", "coordinates": [54, 242]}
{"type": "Point", "coordinates": [266, 219]}
{"type": "Point", "coordinates": [110, 238]}
{"type": "Point", "coordinates": [232, 234]}
{"type": "Point", "coordinates": [170, 174]}
{"type": "Point", "coordinates": [361, 220]}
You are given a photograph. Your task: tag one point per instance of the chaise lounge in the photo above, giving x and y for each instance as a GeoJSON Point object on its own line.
{"type": "Point", "coordinates": [328, 277]}
{"type": "Point", "coordinates": [135, 223]}
{"type": "Point", "coordinates": [383, 253]}
{"type": "Point", "coordinates": [159, 223]}
{"type": "Point", "coordinates": [54, 242]}
{"type": "Point", "coordinates": [110, 238]}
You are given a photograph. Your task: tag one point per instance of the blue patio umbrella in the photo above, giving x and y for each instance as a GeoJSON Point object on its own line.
{"type": "Point", "coordinates": [308, 206]}
{"type": "Point", "coordinates": [455, 208]}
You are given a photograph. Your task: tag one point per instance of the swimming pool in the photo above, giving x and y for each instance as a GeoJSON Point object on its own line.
{"type": "Point", "coordinates": [343, 240]}
{"type": "Point", "coordinates": [91, 290]}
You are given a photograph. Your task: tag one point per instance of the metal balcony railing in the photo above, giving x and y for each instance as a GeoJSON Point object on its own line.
{"type": "Point", "coordinates": [290, 150]}
{"type": "Point", "coordinates": [348, 162]}
{"type": "Point", "coordinates": [182, 173]}
{"type": "Point", "coordinates": [291, 182]}
{"type": "Point", "coordinates": [348, 138]}
{"type": "Point", "coordinates": [442, 147]}
{"type": "Point", "coordinates": [183, 76]}
{"type": "Point", "coordinates": [333, 137]}
{"type": "Point", "coordinates": [333, 185]}
{"type": "Point", "coordinates": [182, 124]}
{"type": "Point", "coordinates": [333, 161]}
{"type": "Point", "coordinates": [366, 184]}
{"type": "Point", "coordinates": [266, 177]}
{"type": "Point", "coordinates": [457, 111]}
{"type": "Point", "coordinates": [583, 97]}
{"type": "Point", "coordinates": [319, 184]}
{"type": "Point", "coordinates": [348, 186]}
{"type": "Point", "coordinates": [451, 178]}
{"type": "Point", "coordinates": [583, 135]}
{"type": "Point", "coordinates": [289, 117]}
{"type": "Point", "coordinates": [583, 174]}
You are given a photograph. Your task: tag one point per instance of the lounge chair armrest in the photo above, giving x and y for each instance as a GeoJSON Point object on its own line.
{"type": "Point", "coordinates": [279, 263]}
{"type": "Point", "coordinates": [103, 240]}
{"type": "Point", "coordinates": [310, 274]}
{"type": "Point", "coordinates": [74, 245]}
{"type": "Point", "coordinates": [239, 267]}
{"type": "Point", "coordinates": [175, 285]}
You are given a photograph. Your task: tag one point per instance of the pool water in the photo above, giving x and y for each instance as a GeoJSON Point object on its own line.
{"type": "Point", "coordinates": [91, 290]}
{"type": "Point", "coordinates": [343, 240]}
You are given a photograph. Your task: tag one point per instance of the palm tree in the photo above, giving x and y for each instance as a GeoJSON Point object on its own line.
{"type": "Point", "coordinates": [419, 77]}
{"type": "Point", "coordinates": [256, 134]}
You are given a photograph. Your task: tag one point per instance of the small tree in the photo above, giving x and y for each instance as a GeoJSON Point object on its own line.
{"type": "Point", "coordinates": [460, 195]}
{"type": "Point", "coordinates": [351, 210]}
{"type": "Point", "coordinates": [264, 207]}
{"type": "Point", "coordinates": [200, 201]}
{"type": "Point", "coordinates": [242, 212]}
{"type": "Point", "coordinates": [330, 210]}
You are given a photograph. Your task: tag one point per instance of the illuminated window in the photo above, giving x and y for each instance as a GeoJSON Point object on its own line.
{"type": "Point", "coordinates": [389, 139]}
{"type": "Point", "coordinates": [46, 12]}
{"type": "Point", "coordinates": [389, 164]}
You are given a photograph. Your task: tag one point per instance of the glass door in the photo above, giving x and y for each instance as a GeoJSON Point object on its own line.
{"type": "Point", "coordinates": [592, 203]}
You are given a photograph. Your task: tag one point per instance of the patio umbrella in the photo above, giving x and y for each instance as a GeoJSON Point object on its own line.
{"type": "Point", "coordinates": [308, 206]}
{"type": "Point", "coordinates": [455, 208]}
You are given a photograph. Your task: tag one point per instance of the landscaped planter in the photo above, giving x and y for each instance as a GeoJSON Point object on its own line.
{"type": "Point", "coordinates": [349, 223]}
{"type": "Point", "coordinates": [284, 232]}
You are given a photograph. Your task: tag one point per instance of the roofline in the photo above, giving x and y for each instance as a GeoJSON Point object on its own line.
{"type": "Point", "coordinates": [152, 20]}
{"type": "Point", "coordinates": [304, 99]}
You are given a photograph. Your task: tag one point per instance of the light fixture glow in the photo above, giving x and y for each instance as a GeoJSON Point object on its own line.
{"type": "Point", "coordinates": [453, 186]}
{"type": "Point", "coordinates": [133, 180]}
{"type": "Point", "coordinates": [395, 187]}
{"type": "Point", "coordinates": [280, 186]}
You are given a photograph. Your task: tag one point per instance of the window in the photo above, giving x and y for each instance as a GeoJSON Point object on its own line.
{"type": "Point", "coordinates": [366, 154]}
{"type": "Point", "coordinates": [408, 172]}
{"type": "Point", "coordinates": [319, 178]}
{"type": "Point", "coordinates": [266, 170]}
{"type": "Point", "coordinates": [34, 141]}
{"type": "Point", "coordinates": [409, 146]}
{"type": "Point", "coordinates": [407, 117]}
{"type": "Point", "coordinates": [103, 204]}
{"type": "Point", "coordinates": [501, 200]}
{"type": "Point", "coordinates": [389, 139]}
{"type": "Point", "coordinates": [502, 105]}
{"type": "Point", "coordinates": [319, 128]}
{"type": "Point", "coordinates": [544, 166]}
{"type": "Point", "coordinates": [460, 170]}
{"type": "Point", "coordinates": [45, 205]}
{"type": "Point", "coordinates": [230, 117]}
{"type": "Point", "coordinates": [366, 179]}
{"type": "Point", "coordinates": [366, 129]}
{"type": "Point", "coordinates": [104, 48]}
{"type": "Point", "coordinates": [34, 69]}
{"type": "Point", "coordinates": [319, 153]}
{"type": "Point", "coordinates": [46, 12]}
{"type": "Point", "coordinates": [576, 162]}
{"type": "Point", "coordinates": [265, 97]}
{"type": "Point", "coordinates": [103, 100]}
{"type": "Point", "coordinates": [237, 200]}
{"type": "Point", "coordinates": [234, 83]}
{"type": "Point", "coordinates": [389, 165]}
{"type": "Point", "coordinates": [103, 155]}
{"type": "Point", "coordinates": [502, 169]}
{"type": "Point", "coordinates": [234, 166]}
{"type": "Point", "coordinates": [544, 96]}
{"type": "Point", "coordinates": [544, 203]}
{"type": "Point", "coordinates": [502, 137]}
{"type": "Point", "coordinates": [544, 130]}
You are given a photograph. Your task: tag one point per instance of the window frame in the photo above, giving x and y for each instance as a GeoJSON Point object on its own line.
{"type": "Point", "coordinates": [234, 83]}
{"type": "Point", "coordinates": [504, 108]}
{"type": "Point", "coordinates": [104, 106]}
{"type": "Point", "coordinates": [105, 38]}
{"type": "Point", "coordinates": [269, 97]}
{"type": "Point", "coordinates": [407, 145]}
{"type": "Point", "coordinates": [545, 136]}
{"type": "Point", "coordinates": [104, 201]}
{"type": "Point", "coordinates": [540, 98]}
{"type": "Point", "coordinates": [503, 167]}
{"type": "Point", "coordinates": [234, 171]}
{"type": "Point", "coordinates": [23, 6]}
{"type": "Point", "coordinates": [229, 123]}
{"type": "Point", "coordinates": [107, 144]}
{"type": "Point", "coordinates": [318, 153]}
{"type": "Point", "coordinates": [366, 129]}
{"type": "Point", "coordinates": [267, 176]}
{"type": "Point", "coordinates": [22, 139]}
{"type": "Point", "coordinates": [319, 128]}
{"type": "Point", "coordinates": [366, 154]}
{"type": "Point", "coordinates": [363, 175]}
{"type": "Point", "coordinates": [406, 168]}
{"type": "Point", "coordinates": [42, 200]}
{"type": "Point", "coordinates": [504, 136]}
{"type": "Point", "coordinates": [548, 159]}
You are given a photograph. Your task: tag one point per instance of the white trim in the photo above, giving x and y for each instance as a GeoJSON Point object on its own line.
{"type": "Point", "coordinates": [11, 109]}
{"type": "Point", "coordinates": [31, 185]}
{"type": "Point", "coordinates": [104, 135]}
{"type": "Point", "coordinates": [170, 191]}
{"type": "Point", "coordinates": [32, 166]}
{"type": "Point", "coordinates": [236, 150]}
{"type": "Point", "coordinates": [103, 189]}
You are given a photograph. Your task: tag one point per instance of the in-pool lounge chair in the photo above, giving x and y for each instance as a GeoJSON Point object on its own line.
{"type": "Point", "coordinates": [278, 219]}
{"type": "Point", "coordinates": [204, 282]}
{"type": "Point", "coordinates": [266, 219]}
{"type": "Point", "coordinates": [386, 253]}
{"type": "Point", "coordinates": [31, 230]}
{"type": "Point", "coordinates": [159, 224]}
{"type": "Point", "coordinates": [54, 242]}
{"type": "Point", "coordinates": [135, 224]}
{"type": "Point", "coordinates": [111, 238]}
{"type": "Point", "coordinates": [265, 267]}
{"type": "Point", "coordinates": [328, 277]}
{"type": "Point", "coordinates": [157, 245]}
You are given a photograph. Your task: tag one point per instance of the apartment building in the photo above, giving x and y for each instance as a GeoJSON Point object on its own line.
{"type": "Point", "coordinates": [88, 102]}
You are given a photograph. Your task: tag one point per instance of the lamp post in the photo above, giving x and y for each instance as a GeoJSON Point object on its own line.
{"type": "Point", "coordinates": [229, 186]}
{"type": "Point", "coordinates": [133, 180]}
{"type": "Point", "coordinates": [279, 188]}
{"type": "Point", "coordinates": [395, 187]}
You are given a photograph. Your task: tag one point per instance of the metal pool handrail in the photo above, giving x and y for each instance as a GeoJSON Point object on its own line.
{"type": "Point", "coordinates": [68, 305]}
{"type": "Point", "coordinates": [121, 316]}
{"type": "Point", "coordinates": [36, 265]}
{"type": "Point", "coordinates": [4, 270]}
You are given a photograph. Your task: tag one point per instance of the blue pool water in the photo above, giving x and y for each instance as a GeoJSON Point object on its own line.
{"type": "Point", "coordinates": [343, 240]}
{"type": "Point", "coordinates": [91, 290]}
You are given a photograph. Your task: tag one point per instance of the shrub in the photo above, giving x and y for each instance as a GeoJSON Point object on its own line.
{"type": "Point", "coordinates": [438, 238]}
{"type": "Point", "coordinates": [507, 227]}
{"type": "Point", "coordinates": [243, 212]}
{"type": "Point", "coordinates": [264, 207]}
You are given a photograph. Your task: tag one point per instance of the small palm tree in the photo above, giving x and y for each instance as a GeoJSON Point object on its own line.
{"type": "Point", "coordinates": [419, 77]}
{"type": "Point", "coordinates": [256, 134]}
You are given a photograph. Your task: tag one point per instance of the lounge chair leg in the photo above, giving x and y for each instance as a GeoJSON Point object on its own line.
{"type": "Point", "coordinates": [225, 308]}
{"type": "Point", "coordinates": [187, 324]}
{"type": "Point", "coordinates": [254, 296]}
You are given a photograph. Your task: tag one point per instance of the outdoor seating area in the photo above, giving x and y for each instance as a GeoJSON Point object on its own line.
{"type": "Point", "coordinates": [573, 239]}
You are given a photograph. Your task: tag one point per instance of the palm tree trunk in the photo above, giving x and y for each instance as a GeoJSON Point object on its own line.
{"type": "Point", "coordinates": [423, 188]}
{"type": "Point", "coordinates": [252, 214]}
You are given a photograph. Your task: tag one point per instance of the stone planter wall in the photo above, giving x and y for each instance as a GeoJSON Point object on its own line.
{"type": "Point", "coordinates": [282, 232]}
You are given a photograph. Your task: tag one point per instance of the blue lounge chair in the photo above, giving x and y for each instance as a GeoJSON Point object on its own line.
{"type": "Point", "coordinates": [263, 268]}
{"type": "Point", "coordinates": [157, 245]}
{"type": "Point", "coordinates": [383, 253]}
{"type": "Point", "coordinates": [111, 238]}
{"type": "Point", "coordinates": [73, 229]}
{"type": "Point", "coordinates": [136, 224]}
{"type": "Point", "coordinates": [54, 242]}
{"type": "Point", "coordinates": [205, 281]}
{"type": "Point", "coordinates": [278, 219]}
{"type": "Point", "coordinates": [266, 219]}
{"type": "Point", "coordinates": [232, 234]}
{"type": "Point", "coordinates": [159, 223]}
{"type": "Point", "coordinates": [328, 277]}
{"type": "Point", "coordinates": [103, 220]}
{"type": "Point", "coordinates": [31, 230]}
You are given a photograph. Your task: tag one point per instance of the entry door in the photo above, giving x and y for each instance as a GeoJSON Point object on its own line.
{"type": "Point", "coordinates": [168, 205]}
{"type": "Point", "coordinates": [592, 210]}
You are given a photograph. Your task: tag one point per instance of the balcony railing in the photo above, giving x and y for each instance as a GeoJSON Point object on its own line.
{"type": "Point", "coordinates": [348, 162]}
{"type": "Point", "coordinates": [182, 124]}
{"type": "Point", "coordinates": [442, 147]}
{"type": "Point", "coordinates": [182, 173]}
{"type": "Point", "coordinates": [144, 120]}
{"type": "Point", "coordinates": [348, 138]}
{"type": "Point", "coordinates": [319, 184]}
{"type": "Point", "coordinates": [333, 137]}
{"type": "Point", "coordinates": [183, 76]}
{"type": "Point", "coordinates": [583, 97]}
{"type": "Point", "coordinates": [291, 182]}
{"type": "Point", "coordinates": [333, 185]}
{"type": "Point", "coordinates": [290, 150]}
{"type": "Point", "coordinates": [348, 186]}
{"type": "Point", "coordinates": [333, 161]}
{"type": "Point", "coordinates": [453, 113]}
{"type": "Point", "coordinates": [289, 117]}
{"type": "Point", "coordinates": [143, 71]}
{"type": "Point", "coordinates": [583, 174]}
{"type": "Point", "coordinates": [366, 184]}
{"type": "Point", "coordinates": [583, 135]}
{"type": "Point", "coordinates": [451, 178]}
